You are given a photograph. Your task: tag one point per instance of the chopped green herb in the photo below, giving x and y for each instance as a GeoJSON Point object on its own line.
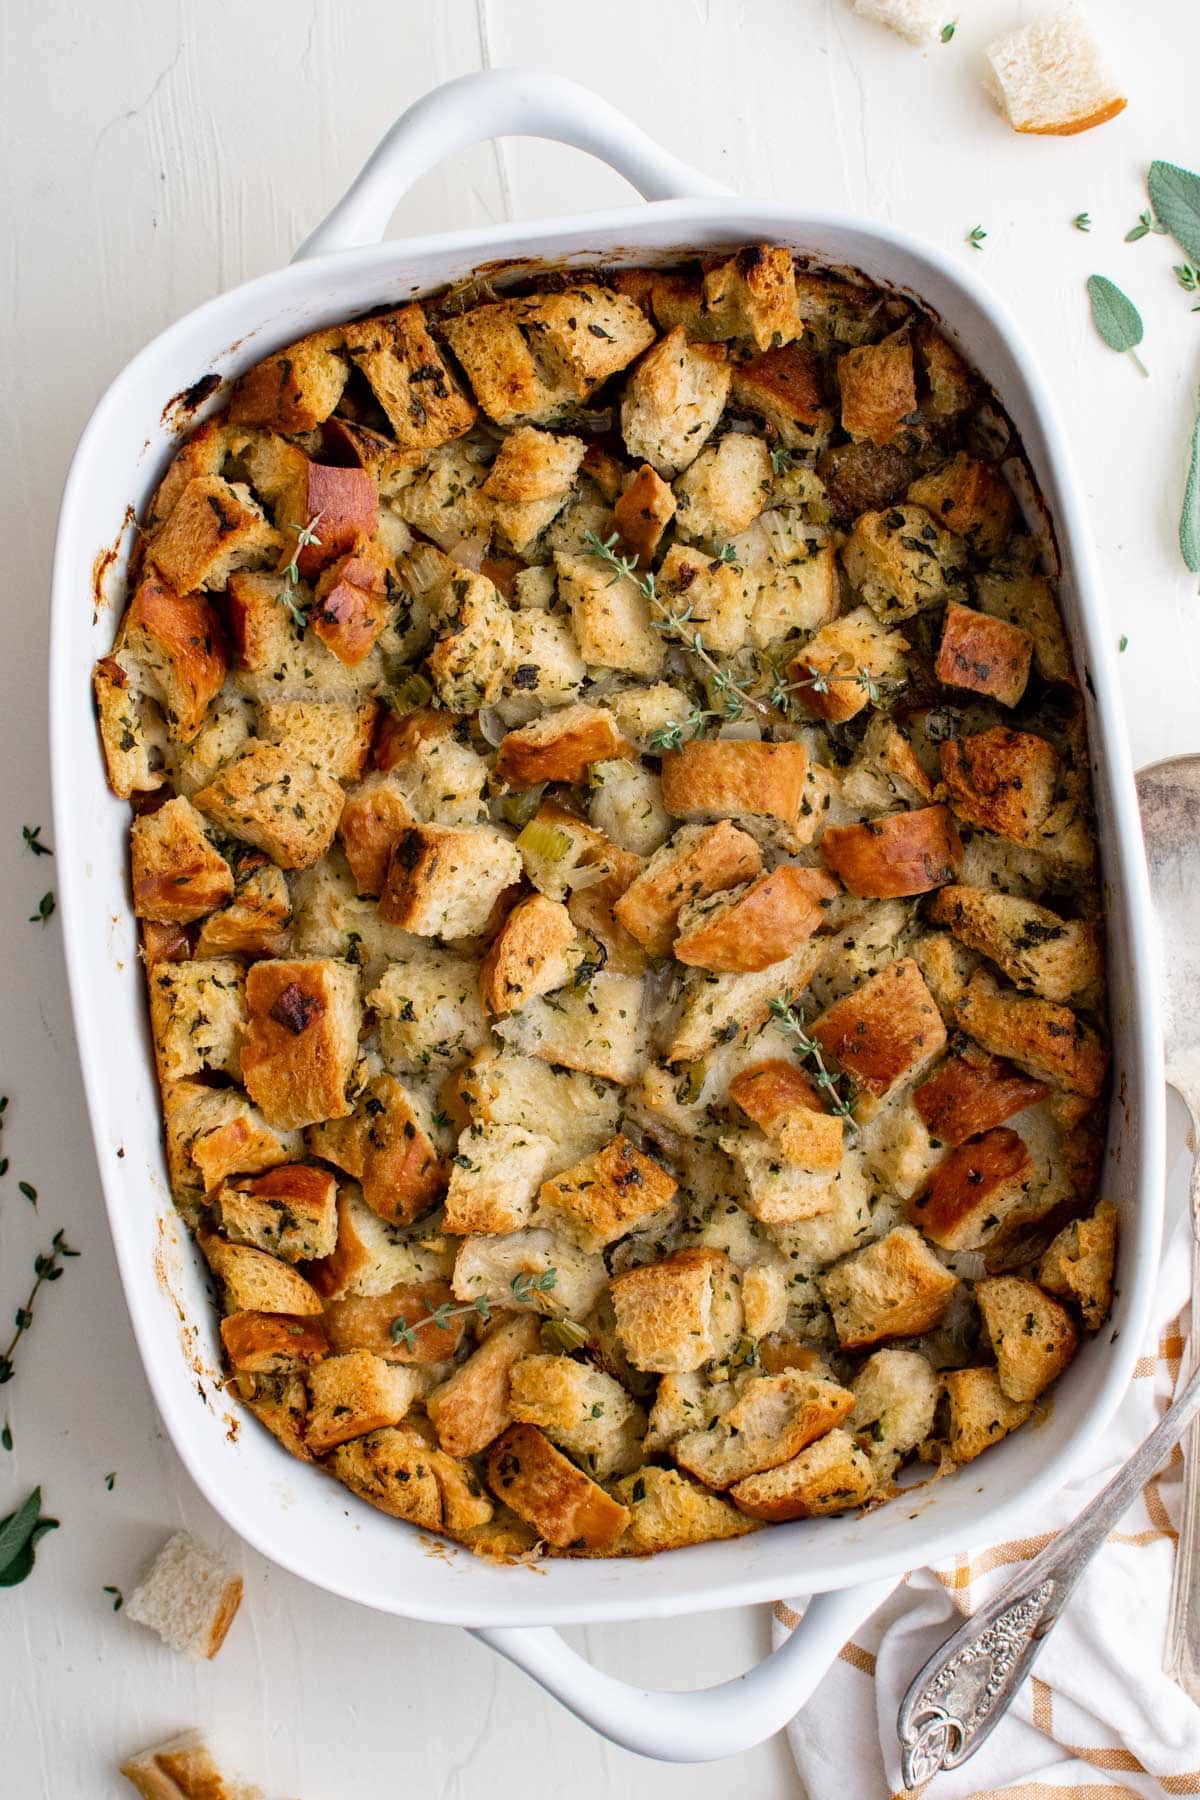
{"type": "Point", "coordinates": [110, 1480]}
{"type": "Point", "coordinates": [947, 31]}
{"type": "Point", "coordinates": [1082, 221]}
{"type": "Point", "coordinates": [976, 237]}
{"type": "Point", "coordinates": [30, 1192]}
{"type": "Point", "coordinates": [44, 912]}
{"type": "Point", "coordinates": [6, 1436]}
{"type": "Point", "coordinates": [33, 840]}
{"type": "Point", "coordinates": [1122, 645]}
{"type": "Point", "coordinates": [118, 1597]}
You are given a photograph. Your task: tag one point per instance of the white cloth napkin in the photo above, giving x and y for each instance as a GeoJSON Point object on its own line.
{"type": "Point", "coordinates": [1098, 1717]}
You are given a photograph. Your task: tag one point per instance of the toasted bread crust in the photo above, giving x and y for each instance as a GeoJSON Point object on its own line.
{"type": "Point", "coordinates": [904, 853]}
{"type": "Point", "coordinates": [763, 925]}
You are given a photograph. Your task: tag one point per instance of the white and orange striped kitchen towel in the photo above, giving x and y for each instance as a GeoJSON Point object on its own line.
{"type": "Point", "coordinates": [1099, 1718]}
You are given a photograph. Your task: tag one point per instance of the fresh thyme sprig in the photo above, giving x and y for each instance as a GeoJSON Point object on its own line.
{"type": "Point", "coordinates": [1082, 221]}
{"type": "Point", "coordinates": [976, 237]}
{"type": "Point", "coordinates": [45, 910]}
{"type": "Point", "coordinates": [1146, 222]}
{"type": "Point", "coordinates": [118, 1598]}
{"type": "Point", "coordinates": [1187, 275]}
{"type": "Point", "coordinates": [523, 1286]}
{"type": "Point", "coordinates": [305, 535]}
{"type": "Point", "coordinates": [47, 1266]}
{"type": "Point", "coordinates": [33, 840]}
{"type": "Point", "coordinates": [791, 1019]}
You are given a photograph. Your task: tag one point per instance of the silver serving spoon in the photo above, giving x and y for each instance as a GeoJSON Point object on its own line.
{"type": "Point", "coordinates": [967, 1686]}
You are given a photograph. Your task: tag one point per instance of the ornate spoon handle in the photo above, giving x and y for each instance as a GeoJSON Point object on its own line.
{"type": "Point", "coordinates": [968, 1685]}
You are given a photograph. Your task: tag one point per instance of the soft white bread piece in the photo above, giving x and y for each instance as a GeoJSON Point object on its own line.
{"type": "Point", "coordinates": [1051, 77]}
{"type": "Point", "coordinates": [920, 21]}
{"type": "Point", "coordinates": [182, 1769]}
{"type": "Point", "coordinates": [189, 1596]}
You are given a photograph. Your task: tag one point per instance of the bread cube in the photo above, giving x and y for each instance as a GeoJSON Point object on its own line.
{"type": "Point", "coordinates": [720, 778]}
{"type": "Point", "coordinates": [901, 561]}
{"type": "Point", "coordinates": [776, 1190]}
{"type": "Point", "coordinates": [1027, 602]}
{"type": "Point", "coordinates": [780, 1099]}
{"type": "Point", "coordinates": [610, 615]}
{"type": "Point", "coordinates": [970, 498]}
{"type": "Point", "coordinates": [598, 1029]}
{"type": "Point", "coordinates": [264, 1343]}
{"type": "Point", "coordinates": [494, 1179]}
{"type": "Point", "coordinates": [885, 771]}
{"type": "Point", "coordinates": [1052, 77]}
{"type": "Point", "coordinates": [723, 490]}
{"type": "Point", "coordinates": [895, 1398]}
{"type": "Point", "coordinates": [672, 402]}
{"type": "Point", "coordinates": [301, 1039]}
{"type": "Point", "coordinates": [472, 1406]}
{"type": "Point", "coordinates": [829, 1477]}
{"type": "Point", "coordinates": [581, 1409]}
{"type": "Point", "coordinates": [130, 758]}
{"type": "Point", "coordinates": [444, 880]}
{"type": "Point", "coordinates": [383, 1323]}
{"type": "Point", "coordinates": [350, 606]}
{"type": "Point", "coordinates": [975, 1191]}
{"type": "Point", "coordinates": [265, 796]}
{"type": "Point", "coordinates": [1032, 1336]}
{"type": "Point", "coordinates": [290, 1212]}
{"type": "Point", "coordinates": [625, 802]}
{"type": "Point", "coordinates": [984, 655]}
{"type": "Point", "coordinates": [373, 1257]}
{"type": "Point", "coordinates": [981, 1414]}
{"type": "Point", "coordinates": [886, 1031]}
{"type": "Point", "coordinates": [387, 1145]}
{"type": "Point", "coordinates": [785, 389]}
{"type": "Point", "coordinates": [721, 1008]}
{"type": "Point", "coordinates": [895, 1287]}
{"type": "Point", "coordinates": [333, 735]}
{"type": "Point", "coordinates": [565, 1506]}
{"type": "Point", "coordinates": [773, 1420]}
{"type": "Point", "coordinates": [1049, 1042]}
{"type": "Point", "coordinates": [374, 818]}
{"type": "Point", "coordinates": [180, 650]}
{"type": "Point", "coordinates": [431, 757]}
{"type": "Point", "coordinates": [533, 1269]}
{"type": "Point", "coordinates": [864, 478]}
{"type": "Point", "coordinates": [680, 1313]}
{"type": "Point", "coordinates": [253, 922]}
{"type": "Point", "coordinates": [429, 1011]}
{"type": "Point", "coordinates": [577, 1113]}
{"type": "Point", "coordinates": [668, 1512]}
{"type": "Point", "coordinates": [974, 1093]}
{"type": "Point", "coordinates": [546, 669]}
{"type": "Point", "coordinates": [748, 928]}
{"type": "Point", "coordinates": [408, 375]}
{"type": "Point", "coordinates": [614, 1191]}
{"type": "Point", "coordinates": [295, 389]}
{"type": "Point", "coordinates": [355, 1393]}
{"type": "Point", "coordinates": [1037, 949]}
{"type": "Point", "coordinates": [474, 649]}
{"type": "Point", "coordinates": [197, 1014]}
{"type": "Point", "coordinates": [529, 483]}
{"type": "Point", "coordinates": [642, 513]}
{"type": "Point", "coordinates": [699, 860]}
{"type": "Point", "coordinates": [529, 955]}
{"type": "Point", "coordinates": [178, 875]}
{"type": "Point", "coordinates": [499, 361]}
{"type": "Point", "coordinates": [848, 656]}
{"type": "Point", "coordinates": [749, 295]}
{"type": "Point", "coordinates": [251, 1281]}
{"type": "Point", "coordinates": [215, 1132]}
{"type": "Point", "coordinates": [560, 746]}
{"type": "Point", "coordinates": [904, 853]}
{"type": "Point", "coordinates": [1079, 1264]}
{"type": "Point", "coordinates": [530, 360]}
{"type": "Point", "coordinates": [396, 1470]}
{"type": "Point", "coordinates": [710, 593]}
{"type": "Point", "coordinates": [947, 377]}
{"type": "Point", "coordinates": [214, 527]}
{"type": "Point", "coordinates": [878, 388]}
{"type": "Point", "coordinates": [1002, 781]}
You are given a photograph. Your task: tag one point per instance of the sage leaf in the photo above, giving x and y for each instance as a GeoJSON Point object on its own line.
{"type": "Point", "coordinates": [1189, 522]}
{"type": "Point", "coordinates": [19, 1534]}
{"type": "Point", "coordinates": [1115, 317]}
{"type": "Point", "coordinates": [22, 1562]}
{"type": "Point", "coordinates": [1175, 197]}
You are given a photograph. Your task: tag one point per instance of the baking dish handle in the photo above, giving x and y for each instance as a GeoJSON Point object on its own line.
{"type": "Point", "coordinates": [498, 103]}
{"type": "Point", "coordinates": [710, 1722]}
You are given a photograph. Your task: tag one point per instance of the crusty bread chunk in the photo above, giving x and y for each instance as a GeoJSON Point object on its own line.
{"type": "Point", "coordinates": [374, 818]}
{"type": "Point", "coordinates": [784, 388]}
{"type": "Point", "coordinates": [180, 650]}
{"type": "Point", "coordinates": [1079, 1264]}
{"type": "Point", "coordinates": [443, 880]}
{"type": "Point", "coordinates": [788, 1107]}
{"type": "Point", "coordinates": [214, 527]}
{"type": "Point", "coordinates": [428, 1011]}
{"type": "Point", "coordinates": [182, 1769]}
{"type": "Point", "coordinates": [350, 608]}
{"type": "Point", "coordinates": [713, 595]}
{"type": "Point", "coordinates": [197, 1013]}
{"type": "Point", "coordinates": [748, 928]}
{"type": "Point", "coordinates": [531, 360]}
{"type": "Point", "coordinates": [975, 1190]}
{"type": "Point", "coordinates": [430, 755]}
{"type": "Point", "coordinates": [301, 1039]}
{"type": "Point", "coordinates": [878, 388]}
{"type": "Point", "coordinates": [546, 669]}
{"type": "Point", "coordinates": [565, 1506]}
{"type": "Point", "coordinates": [355, 1393]}
{"type": "Point", "coordinates": [263, 1343]}
{"type": "Point", "coordinates": [901, 561]}
{"type": "Point", "coordinates": [1032, 1336]}
{"type": "Point", "coordinates": [560, 746]}
{"type": "Point", "coordinates": [1051, 76]}
{"type": "Point", "coordinates": [607, 1195]}
{"type": "Point", "coordinates": [472, 1406]}
{"type": "Point", "coordinates": [1037, 949]}
{"type": "Point", "coordinates": [677, 1314]}
{"type": "Point", "coordinates": [387, 1145]}
{"type": "Point", "coordinates": [473, 652]}
{"type": "Point", "coordinates": [895, 1398]}
{"type": "Point", "coordinates": [267, 797]}
{"type": "Point", "coordinates": [494, 1179]}
{"type": "Point", "coordinates": [981, 1413]}
{"type": "Point", "coordinates": [973, 500]}
{"type": "Point", "coordinates": [610, 615]}
{"type": "Point", "coordinates": [720, 779]}
{"type": "Point", "coordinates": [529, 483]}
{"type": "Point", "coordinates": [290, 1212]}
{"type": "Point", "coordinates": [178, 874]}
{"type": "Point", "coordinates": [296, 389]}
{"type": "Point", "coordinates": [1028, 601]}
{"type": "Point", "coordinates": [1003, 781]}
{"type": "Point", "coordinates": [254, 922]}
{"type": "Point", "coordinates": [776, 1190]}
{"type": "Point", "coordinates": [668, 1512]}
{"type": "Point", "coordinates": [130, 757]}
{"type": "Point", "coordinates": [1049, 1042]}
{"type": "Point", "coordinates": [724, 490]}
{"type": "Point", "coordinates": [600, 1029]}
{"type": "Point", "coordinates": [895, 1287]}
{"type": "Point", "coordinates": [333, 735]}
{"type": "Point", "coordinates": [530, 955]}
{"type": "Point", "coordinates": [672, 402]}
{"type": "Point", "coordinates": [407, 373]}
{"type": "Point", "coordinates": [189, 1595]}
{"type": "Point", "coordinates": [698, 861]}
{"type": "Point", "coordinates": [750, 295]}
{"type": "Point", "coordinates": [829, 1477]}
{"type": "Point", "coordinates": [773, 1419]}
{"type": "Point", "coordinates": [252, 1281]}
{"type": "Point", "coordinates": [584, 1411]}
{"type": "Point", "coordinates": [398, 1471]}
{"type": "Point", "coordinates": [280, 1404]}
{"type": "Point", "coordinates": [834, 672]}
{"type": "Point", "coordinates": [643, 512]}
{"type": "Point", "coordinates": [215, 1132]}
{"type": "Point", "coordinates": [984, 655]}
{"type": "Point", "coordinates": [973, 1093]}
{"type": "Point", "coordinates": [920, 21]}
{"type": "Point", "coordinates": [372, 1257]}
{"type": "Point", "coordinates": [886, 1031]}
{"type": "Point", "coordinates": [724, 1008]}
{"type": "Point", "coordinates": [383, 1323]}
{"type": "Point", "coordinates": [901, 854]}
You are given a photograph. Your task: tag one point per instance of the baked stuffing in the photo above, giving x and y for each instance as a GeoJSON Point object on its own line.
{"type": "Point", "coordinates": [617, 884]}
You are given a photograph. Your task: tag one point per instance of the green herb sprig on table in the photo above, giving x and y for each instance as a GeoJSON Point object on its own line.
{"type": "Point", "coordinates": [1146, 223]}
{"type": "Point", "coordinates": [33, 840]}
{"type": "Point", "coordinates": [948, 31]}
{"type": "Point", "coordinates": [1082, 221]}
{"type": "Point", "coordinates": [19, 1534]}
{"type": "Point", "coordinates": [45, 910]}
{"type": "Point", "coordinates": [118, 1598]}
{"type": "Point", "coordinates": [976, 237]}
{"type": "Point", "coordinates": [835, 1088]}
{"type": "Point", "coordinates": [47, 1266]}
{"type": "Point", "coordinates": [1116, 318]}
{"type": "Point", "coordinates": [305, 535]}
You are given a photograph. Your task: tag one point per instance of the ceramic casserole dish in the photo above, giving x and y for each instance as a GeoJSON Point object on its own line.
{"type": "Point", "coordinates": [288, 1511]}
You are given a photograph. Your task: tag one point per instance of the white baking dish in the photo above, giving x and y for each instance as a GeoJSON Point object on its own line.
{"type": "Point", "coordinates": [291, 1513]}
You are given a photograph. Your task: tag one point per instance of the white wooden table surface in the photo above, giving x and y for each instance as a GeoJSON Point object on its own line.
{"type": "Point", "coordinates": [156, 153]}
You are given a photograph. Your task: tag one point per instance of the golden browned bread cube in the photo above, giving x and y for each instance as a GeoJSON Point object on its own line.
{"type": "Point", "coordinates": [253, 922]}
{"type": "Point", "coordinates": [829, 1477]}
{"type": "Point", "coordinates": [784, 387]}
{"type": "Point", "coordinates": [350, 609]}
{"type": "Point", "coordinates": [1032, 1336]}
{"type": "Point", "coordinates": [129, 756]}
{"type": "Point", "coordinates": [269, 798]}
{"type": "Point", "coordinates": [878, 388]}
{"type": "Point", "coordinates": [1079, 1264]}
{"type": "Point", "coordinates": [386, 1144]}
{"type": "Point", "coordinates": [985, 655]}
{"type": "Point", "coordinates": [178, 874]}
{"type": "Point", "coordinates": [472, 1406]}
{"type": "Point", "coordinates": [295, 389]}
{"type": "Point", "coordinates": [408, 375]}
{"type": "Point", "coordinates": [610, 616]}
{"type": "Point", "coordinates": [712, 595]}
{"type": "Point", "coordinates": [971, 499]}
{"type": "Point", "coordinates": [895, 1398]}
{"type": "Point", "coordinates": [280, 1403]}
{"type": "Point", "coordinates": [374, 818]}
{"type": "Point", "coordinates": [529, 955]}
{"type": "Point", "coordinates": [163, 943]}
{"type": "Point", "coordinates": [846, 657]}
{"type": "Point", "coordinates": [946, 374]}
{"type": "Point", "coordinates": [974, 1191]}
{"type": "Point", "coordinates": [583, 1410]}
{"type": "Point", "coordinates": [353, 1394]}
{"type": "Point", "coordinates": [212, 1133]}
{"type": "Point", "coordinates": [565, 1506]}
{"type": "Point", "coordinates": [182, 1769]}
{"type": "Point", "coordinates": [721, 779]}
{"type": "Point", "coordinates": [1028, 601]}
{"type": "Point", "coordinates": [973, 1093]}
{"type": "Point", "coordinates": [886, 1031]}
{"type": "Point", "coordinates": [901, 561]}
{"type": "Point", "coordinates": [399, 1324]}
{"type": "Point", "coordinates": [1036, 948]}
{"type": "Point", "coordinates": [721, 1008]}
{"type": "Point", "coordinates": [895, 1287]}
{"type": "Point", "coordinates": [197, 1012]}
{"type": "Point", "coordinates": [599, 1028]}
{"type": "Point", "coordinates": [398, 1471]}
{"type": "Point", "coordinates": [672, 402]}
{"type": "Point", "coordinates": [903, 853]}
{"type": "Point", "coordinates": [474, 648]}
{"type": "Point", "coordinates": [180, 650]}
{"type": "Point", "coordinates": [788, 1107]}
{"type": "Point", "coordinates": [333, 735]}
{"type": "Point", "coordinates": [530, 360]}
{"type": "Point", "coordinates": [529, 483]}
{"type": "Point", "coordinates": [699, 860]}
{"type": "Point", "coordinates": [607, 1195]}
{"type": "Point", "coordinates": [773, 1419]}
{"type": "Point", "coordinates": [750, 295]}
{"type": "Point", "coordinates": [775, 1189]}
{"type": "Point", "coordinates": [1003, 781]}
{"type": "Point", "coordinates": [750, 928]}
{"type": "Point", "coordinates": [252, 1281]}
{"type": "Point", "coordinates": [214, 527]}
{"type": "Point", "coordinates": [980, 1413]}
{"type": "Point", "coordinates": [677, 1314]}
{"type": "Point", "coordinates": [643, 512]}
{"type": "Point", "coordinates": [341, 511]}
{"type": "Point", "coordinates": [668, 1512]}
{"type": "Point", "coordinates": [1050, 1042]}
{"type": "Point", "coordinates": [291, 1212]}
{"type": "Point", "coordinates": [301, 1039]}
{"type": "Point", "coordinates": [262, 1343]}
{"type": "Point", "coordinates": [443, 880]}
{"type": "Point", "coordinates": [494, 1179]}
{"type": "Point", "coordinates": [724, 490]}
{"type": "Point", "coordinates": [560, 746]}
